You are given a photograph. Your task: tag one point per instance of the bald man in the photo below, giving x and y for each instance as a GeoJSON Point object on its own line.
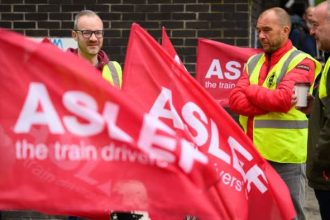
{"type": "Point", "coordinates": [262, 98]}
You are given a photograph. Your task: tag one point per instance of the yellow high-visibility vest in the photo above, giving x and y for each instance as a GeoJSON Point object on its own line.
{"type": "Point", "coordinates": [279, 137]}
{"type": "Point", "coordinates": [323, 81]}
{"type": "Point", "coordinates": [113, 74]}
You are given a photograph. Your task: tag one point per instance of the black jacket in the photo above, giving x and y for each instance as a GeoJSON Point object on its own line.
{"type": "Point", "coordinates": [318, 156]}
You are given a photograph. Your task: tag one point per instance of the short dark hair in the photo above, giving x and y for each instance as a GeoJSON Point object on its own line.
{"type": "Point", "coordinates": [83, 13]}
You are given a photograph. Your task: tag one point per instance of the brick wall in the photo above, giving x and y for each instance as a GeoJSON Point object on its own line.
{"type": "Point", "coordinates": [186, 20]}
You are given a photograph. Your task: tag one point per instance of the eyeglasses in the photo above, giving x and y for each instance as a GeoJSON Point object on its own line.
{"type": "Point", "coordinates": [88, 33]}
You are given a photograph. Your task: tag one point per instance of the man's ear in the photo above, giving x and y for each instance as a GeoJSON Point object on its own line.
{"type": "Point", "coordinates": [286, 30]}
{"type": "Point", "coordinates": [74, 35]}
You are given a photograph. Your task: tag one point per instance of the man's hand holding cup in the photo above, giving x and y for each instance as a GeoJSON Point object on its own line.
{"type": "Point", "coordinates": [302, 99]}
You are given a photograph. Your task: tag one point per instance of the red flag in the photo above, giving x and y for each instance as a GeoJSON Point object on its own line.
{"type": "Point", "coordinates": [219, 67]}
{"type": "Point", "coordinates": [46, 40]}
{"type": "Point", "coordinates": [71, 144]}
{"type": "Point", "coordinates": [245, 185]}
{"type": "Point", "coordinates": [168, 46]}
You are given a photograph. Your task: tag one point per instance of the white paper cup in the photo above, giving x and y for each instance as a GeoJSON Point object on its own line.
{"type": "Point", "coordinates": [301, 91]}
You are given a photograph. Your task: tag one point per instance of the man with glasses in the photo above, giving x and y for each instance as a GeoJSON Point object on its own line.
{"type": "Point", "coordinates": [88, 32]}
{"type": "Point", "coordinates": [318, 157]}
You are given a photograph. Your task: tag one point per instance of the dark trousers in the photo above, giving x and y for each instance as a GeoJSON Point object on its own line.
{"type": "Point", "coordinates": [323, 197]}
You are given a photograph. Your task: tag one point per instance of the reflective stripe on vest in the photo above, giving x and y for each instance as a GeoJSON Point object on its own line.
{"type": "Point", "coordinates": [288, 124]}
{"type": "Point", "coordinates": [112, 73]}
{"type": "Point", "coordinates": [285, 66]}
{"type": "Point", "coordinates": [252, 63]}
{"type": "Point", "coordinates": [279, 137]}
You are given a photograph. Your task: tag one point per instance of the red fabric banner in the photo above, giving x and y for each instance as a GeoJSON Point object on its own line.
{"type": "Point", "coordinates": [243, 185]}
{"type": "Point", "coordinates": [71, 144]}
{"type": "Point", "coordinates": [168, 46]}
{"type": "Point", "coordinates": [219, 67]}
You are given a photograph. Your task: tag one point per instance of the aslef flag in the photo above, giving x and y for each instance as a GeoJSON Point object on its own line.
{"type": "Point", "coordinates": [247, 187]}
{"type": "Point", "coordinates": [219, 66]}
{"type": "Point", "coordinates": [71, 144]}
{"type": "Point", "coordinates": [168, 46]}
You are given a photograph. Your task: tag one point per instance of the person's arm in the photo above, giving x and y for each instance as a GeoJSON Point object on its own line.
{"type": "Point", "coordinates": [280, 99]}
{"type": "Point", "coordinates": [323, 149]}
{"type": "Point", "coordinates": [310, 98]}
{"type": "Point", "coordinates": [306, 110]}
{"type": "Point", "coordinates": [239, 103]}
